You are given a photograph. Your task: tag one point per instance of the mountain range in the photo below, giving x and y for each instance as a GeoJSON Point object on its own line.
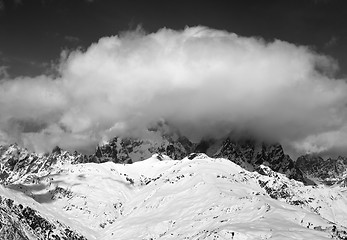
{"type": "Point", "coordinates": [164, 186]}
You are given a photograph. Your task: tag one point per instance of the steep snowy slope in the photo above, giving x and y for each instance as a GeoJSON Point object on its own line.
{"type": "Point", "coordinates": [194, 198]}
{"type": "Point", "coordinates": [23, 218]}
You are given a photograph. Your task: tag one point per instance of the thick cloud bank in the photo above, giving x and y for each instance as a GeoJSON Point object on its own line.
{"type": "Point", "coordinates": [204, 81]}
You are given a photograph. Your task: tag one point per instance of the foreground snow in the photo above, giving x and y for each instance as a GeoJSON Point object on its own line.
{"type": "Point", "coordinates": [199, 198]}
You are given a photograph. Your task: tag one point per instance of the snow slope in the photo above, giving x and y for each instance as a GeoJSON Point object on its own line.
{"type": "Point", "coordinates": [194, 198]}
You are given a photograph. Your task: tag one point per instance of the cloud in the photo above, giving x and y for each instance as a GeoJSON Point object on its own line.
{"type": "Point", "coordinates": [4, 72]}
{"type": "Point", "coordinates": [203, 81]}
{"type": "Point", "coordinates": [72, 39]}
{"type": "Point", "coordinates": [332, 42]}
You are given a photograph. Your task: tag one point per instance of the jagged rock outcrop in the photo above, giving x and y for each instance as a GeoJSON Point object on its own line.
{"type": "Point", "coordinates": [330, 171]}
{"type": "Point", "coordinates": [16, 162]}
{"type": "Point", "coordinates": [161, 138]}
{"type": "Point", "coordinates": [250, 154]}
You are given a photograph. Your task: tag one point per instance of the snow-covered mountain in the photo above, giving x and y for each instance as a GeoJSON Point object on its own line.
{"type": "Point", "coordinates": [66, 196]}
{"type": "Point", "coordinates": [16, 163]}
{"type": "Point", "coordinates": [163, 138]}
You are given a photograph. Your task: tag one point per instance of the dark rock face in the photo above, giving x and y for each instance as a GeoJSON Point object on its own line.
{"type": "Point", "coordinates": [251, 154]}
{"type": "Point", "coordinates": [56, 150]}
{"type": "Point", "coordinates": [19, 222]}
{"type": "Point", "coordinates": [128, 150]}
{"type": "Point", "coordinates": [240, 152]}
{"type": "Point", "coordinates": [161, 138]}
{"type": "Point", "coordinates": [273, 156]}
{"type": "Point", "coordinates": [330, 171]}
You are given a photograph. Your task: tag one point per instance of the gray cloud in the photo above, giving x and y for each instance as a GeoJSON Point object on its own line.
{"type": "Point", "coordinates": [72, 39]}
{"type": "Point", "coordinates": [332, 42]}
{"type": "Point", "coordinates": [3, 72]}
{"type": "Point", "coordinates": [204, 81]}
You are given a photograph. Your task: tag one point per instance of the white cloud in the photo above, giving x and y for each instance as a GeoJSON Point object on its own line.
{"type": "Point", "coordinates": [204, 81]}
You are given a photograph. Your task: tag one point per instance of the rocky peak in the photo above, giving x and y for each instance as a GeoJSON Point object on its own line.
{"type": "Point", "coordinates": [308, 160]}
{"type": "Point", "coordinates": [239, 151]}
{"type": "Point", "coordinates": [17, 162]}
{"type": "Point", "coordinates": [271, 153]}
{"type": "Point", "coordinates": [250, 154]}
{"type": "Point", "coordinates": [328, 171]}
{"type": "Point", "coordinates": [56, 150]}
{"type": "Point", "coordinates": [161, 138]}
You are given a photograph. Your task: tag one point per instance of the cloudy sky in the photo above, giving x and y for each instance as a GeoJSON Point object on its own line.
{"type": "Point", "coordinates": [75, 73]}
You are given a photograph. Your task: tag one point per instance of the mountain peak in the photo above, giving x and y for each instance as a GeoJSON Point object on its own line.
{"type": "Point", "coordinates": [250, 154]}
{"type": "Point", "coordinates": [328, 171]}
{"type": "Point", "coordinates": [159, 138]}
{"type": "Point", "coordinates": [17, 162]}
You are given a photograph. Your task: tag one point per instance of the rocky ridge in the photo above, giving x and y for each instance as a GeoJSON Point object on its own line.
{"type": "Point", "coordinates": [329, 172]}
{"type": "Point", "coordinates": [160, 138]}
{"type": "Point", "coordinates": [250, 154]}
{"type": "Point", "coordinates": [19, 222]}
{"type": "Point", "coordinates": [17, 162]}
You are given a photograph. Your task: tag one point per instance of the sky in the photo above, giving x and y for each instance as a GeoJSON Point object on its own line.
{"type": "Point", "coordinates": [34, 32]}
{"type": "Point", "coordinates": [75, 73]}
